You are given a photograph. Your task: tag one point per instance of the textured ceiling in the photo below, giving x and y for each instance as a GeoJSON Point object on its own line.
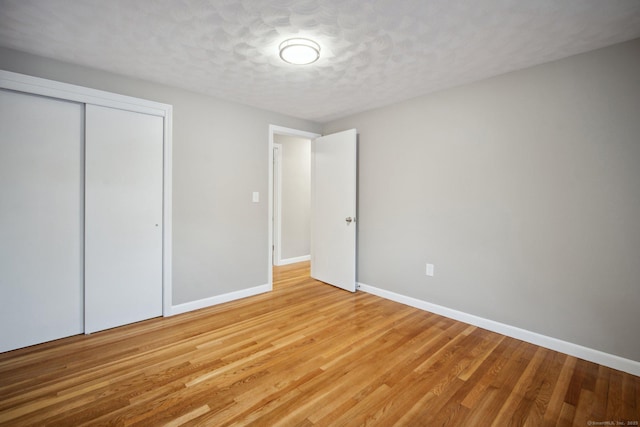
{"type": "Point", "coordinates": [374, 53]}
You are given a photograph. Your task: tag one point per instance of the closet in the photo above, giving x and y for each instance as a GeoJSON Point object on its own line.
{"type": "Point", "coordinates": [84, 210]}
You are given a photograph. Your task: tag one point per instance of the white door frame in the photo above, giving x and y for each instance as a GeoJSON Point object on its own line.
{"type": "Point", "coordinates": [278, 130]}
{"type": "Point", "coordinates": [54, 89]}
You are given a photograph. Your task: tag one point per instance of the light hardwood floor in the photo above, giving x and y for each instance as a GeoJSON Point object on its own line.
{"type": "Point", "coordinates": [307, 354]}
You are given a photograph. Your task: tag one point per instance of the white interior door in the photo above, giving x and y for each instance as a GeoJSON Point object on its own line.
{"type": "Point", "coordinates": [123, 226]}
{"type": "Point", "coordinates": [333, 209]}
{"type": "Point", "coordinates": [41, 167]}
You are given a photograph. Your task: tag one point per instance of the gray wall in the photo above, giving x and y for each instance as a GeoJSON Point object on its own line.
{"type": "Point", "coordinates": [523, 190]}
{"type": "Point", "coordinates": [219, 158]}
{"type": "Point", "coordinates": [296, 196]}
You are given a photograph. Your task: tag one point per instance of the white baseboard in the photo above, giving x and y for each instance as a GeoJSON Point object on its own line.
{"type": "Point", "coordinates": [219, 299]}
{"type": "Point", "coordinates": [592, 355]}
{"type": "Point", "coordinates": [294, 260]}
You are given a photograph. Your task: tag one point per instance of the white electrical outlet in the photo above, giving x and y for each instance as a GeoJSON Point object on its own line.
{"type": "Point", "coordinates": [429, 271]}
{"type": "Point", "coordinates": [255, 197]}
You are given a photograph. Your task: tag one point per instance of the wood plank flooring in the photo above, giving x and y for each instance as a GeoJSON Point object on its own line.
{"type": "Point", "coordinates": [307, 354]}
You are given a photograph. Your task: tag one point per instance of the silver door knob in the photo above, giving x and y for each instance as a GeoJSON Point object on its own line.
{"type": "Point", "coordinates": [348, 219]}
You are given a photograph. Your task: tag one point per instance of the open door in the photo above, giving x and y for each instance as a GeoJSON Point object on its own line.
{"type": "Point", "coordinates": [333, 209]}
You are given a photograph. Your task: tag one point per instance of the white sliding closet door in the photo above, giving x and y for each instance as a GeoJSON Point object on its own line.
{"type": "Point", "coordinates": [41, 167]}
{"type": "Point", "coordinates": [123, 226]}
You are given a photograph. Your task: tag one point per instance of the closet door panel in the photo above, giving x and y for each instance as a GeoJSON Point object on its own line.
{"type": "Point", "coordinates": [123, 224]}
{"type": "Point", "coordinates": [41, 168]}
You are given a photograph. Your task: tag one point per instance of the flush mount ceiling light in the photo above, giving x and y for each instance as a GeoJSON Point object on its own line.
{"type": "Point", "coordinates": [299, 51]}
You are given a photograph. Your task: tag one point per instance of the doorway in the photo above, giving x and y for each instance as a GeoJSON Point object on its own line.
{"type": "Point", "coordinates": [333, 239]}
{"type": "Point", "coordinates": [281, 253]}
{"type": "Point", "coordinates": [291, 199]}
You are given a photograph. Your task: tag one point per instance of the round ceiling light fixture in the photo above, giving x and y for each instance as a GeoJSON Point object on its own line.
{"type": "Point", "coordinates": [299, 51]}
